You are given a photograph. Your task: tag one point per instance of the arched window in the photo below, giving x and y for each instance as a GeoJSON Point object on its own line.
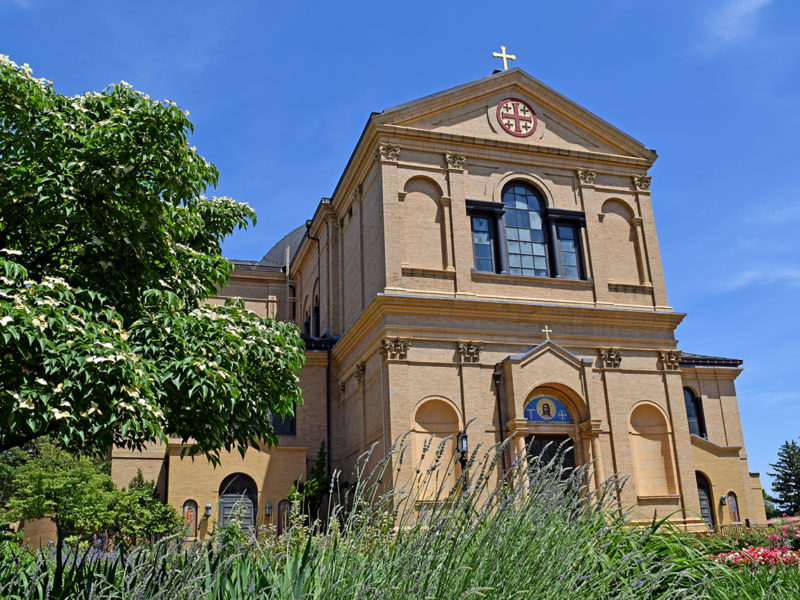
{"type": "Point", "coordinates": [539, 241]}
{"type": "Point", "coordinates": [190, 518]}
{"type": "Point", "coordinates": [527, 246]}
{"type": "Point", "coordinates": [733, 507]}
{"type": "Point", "coordinates": [315, 317]}
{"type": "Point", "coordinates": [284, 508]}
{"type": "Point", "coordinates": [307, 323]}
{"type": "Point", "coordinates": [694, 413]}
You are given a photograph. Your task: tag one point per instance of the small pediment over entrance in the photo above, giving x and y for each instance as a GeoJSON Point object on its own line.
{"type": "Point", "coordinates": [547, 365]}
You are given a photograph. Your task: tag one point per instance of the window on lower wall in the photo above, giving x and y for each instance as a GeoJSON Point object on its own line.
{"type": "Point", "coordinates": [733, 507]}
{"type": "Point", "coordinates": [190, 518]}
{"type": "Point", "coordinates": [522, 236]}
{"type": "Point", "coordinates": [287, 425]}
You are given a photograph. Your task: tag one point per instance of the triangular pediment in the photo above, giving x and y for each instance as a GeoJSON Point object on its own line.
{"type": "Point", "coordinates": [495, 108]}
{"type": "Point", "coordinates": [546, 348]}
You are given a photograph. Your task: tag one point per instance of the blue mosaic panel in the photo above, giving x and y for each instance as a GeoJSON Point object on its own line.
{"type": "Point", "coordinates": [546, 409]}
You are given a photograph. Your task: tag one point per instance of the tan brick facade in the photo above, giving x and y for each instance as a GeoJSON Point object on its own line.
{"type": "Point", "coordinates": [410, 335]}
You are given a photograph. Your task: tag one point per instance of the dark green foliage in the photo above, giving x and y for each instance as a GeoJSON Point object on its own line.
{"type": "Point", "coordinates": [786, 478]}
{"type": "Point", "coordinates": [769, 506]}
{"type": "Point", "coordinates": [107, 250]}
{"type": "Point", "coordinates": [310, 493]}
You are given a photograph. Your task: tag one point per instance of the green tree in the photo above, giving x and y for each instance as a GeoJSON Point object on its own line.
{"type": "Point", "coordinates": [140, 515]}
{"type": "Point", "coordinates": [311, 492]}
{"type": "Point", "coordinates": [786, 478]}
{"type": "Point", "coordinates": [71, 490]}
{"type": "Point", "coordinates": [107, 251]}
{"type": "Point", "coordinates": [769, 505]}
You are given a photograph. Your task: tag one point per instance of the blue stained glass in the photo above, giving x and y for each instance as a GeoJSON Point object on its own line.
{"type": "Point", "coordinates": [483, 251]}
{"type": "Point", "coordinates": [512, 234]}
{"type": "Point", "coordinates": [525, 235]}
{"type": "Point", "coordinates": [511, 218]}
{"type": "Point", "coordinates": [571, 272]}
{"type": "Point", "coordinates": [514, 247]}
{"type": "Point", "coordinates": [540, 263]}
{"type": "Point", "coordinates": [514, 260]}
{"type": "Point", "coordinates": [527, 261]}
{"type": "Point", "coordinates": [480, 237]}
{"type": "Point", "coordinates": [483, 264]}
{"type": "Point", "coordinates": [535, 219]}
{"type": "Point", "coordinates": [480, 224]}
{"type": "Point", "coordinates": [522, 219]}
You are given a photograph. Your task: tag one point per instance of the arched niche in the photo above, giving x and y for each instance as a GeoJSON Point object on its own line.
{"type": "Point", "coordinates": [238, 500]}
{"type": "Point", "coordinates": [423, 225]}
{"type": "Point", "coordinates": [651, 451]}
{"type": "Point", "coordinates": [619, 235]}
{"type": "Point", "coordinates": [435, 424]}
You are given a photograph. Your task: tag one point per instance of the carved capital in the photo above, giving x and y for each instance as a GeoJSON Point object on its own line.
{"type": "Point", "coordinates": [456, 161]}
{"type": "Point", "coordinates": [670, 360]}
{"type": "Point", "coordinates": [357, 194]}
{"type": "Point", "coordinates": [470, 351]}
{"type": "Point", "coordinates": [387, 153]}
{"type": "Point", "coordinates": [394, 348]}
{"type": "Point", "coordinates": [642, 182]}
{"type": "Point", "coordinates": [586, 176]}
{"type": "Point", "coordinates": [611, 357]}
{"type": "Point", "coordinates": [360, 371]}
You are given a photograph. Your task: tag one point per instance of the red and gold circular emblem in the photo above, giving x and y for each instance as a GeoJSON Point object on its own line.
{"type": "Point", "coordinates": [516, 117]}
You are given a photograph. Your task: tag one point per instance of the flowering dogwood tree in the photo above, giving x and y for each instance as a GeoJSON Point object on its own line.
{"type": "Point", "coordinates": [107, 251]}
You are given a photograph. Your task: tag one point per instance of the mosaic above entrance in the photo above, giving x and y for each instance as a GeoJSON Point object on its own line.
{"type": "Point", "coordinates": [546, 409]}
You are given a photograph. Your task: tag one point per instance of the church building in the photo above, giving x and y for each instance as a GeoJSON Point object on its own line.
{"type": "Point", "coordinates": [488, 257]}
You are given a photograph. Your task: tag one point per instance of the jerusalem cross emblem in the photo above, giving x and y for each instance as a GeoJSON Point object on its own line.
{"type": "Point", "coordinates": [516, 117]}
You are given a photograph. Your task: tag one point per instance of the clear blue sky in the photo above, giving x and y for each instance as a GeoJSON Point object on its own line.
{"type": "Point", "coordinates": [279, 93]}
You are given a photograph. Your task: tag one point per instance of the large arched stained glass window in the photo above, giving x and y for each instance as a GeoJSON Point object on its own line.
{"type": "Point", "coordinates": [527, 254]}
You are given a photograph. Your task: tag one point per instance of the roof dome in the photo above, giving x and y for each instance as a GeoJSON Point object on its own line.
{"type": "Point", "coordinates": [275, 256]}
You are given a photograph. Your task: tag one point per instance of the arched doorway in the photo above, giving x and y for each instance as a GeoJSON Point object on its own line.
{"type": "Point", "coordinates": [551, 431]}
{"type": "Point", "coordinates": [238, 499]}
{"type": "Point", "coordinates": [706, 506]}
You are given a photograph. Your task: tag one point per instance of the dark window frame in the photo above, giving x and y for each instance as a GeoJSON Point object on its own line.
{"type": "Point", "coordinates": [494, 214]}
{"type": "Point", "coordinates": [696, 403]}
{"type": "Point", "coordinates": [551, 218]}
{"type": "Point", "coordinates": [287, 425]}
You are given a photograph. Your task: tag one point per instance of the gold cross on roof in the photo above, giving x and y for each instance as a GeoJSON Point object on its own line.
{"type": "Point", "coordinates": [547, 331]}
{"type": "Point", "coordinates": [506, 57]}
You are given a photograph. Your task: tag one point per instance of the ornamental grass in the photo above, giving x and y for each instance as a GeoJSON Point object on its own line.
{"type": "Point", "coordinates": [542, 534]}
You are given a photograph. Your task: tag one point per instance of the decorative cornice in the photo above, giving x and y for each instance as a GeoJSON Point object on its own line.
{"type": "Point", "coordinates": [357, 194]}
{"type": "Point", "coordinates": [642, 182]}
{"type": "Point", "coordinates": [394, 348]}
{"type": "Point", "coordinates": [360, 371]}
{"type": "Point", "coordinates": [456, 161]}
{"type": "Point", "coordinates": [611, 357]}
{"type": "Point", "coordinates": [586, 176]}
{"type": "Point", "coordinates": [470, 351]}
{"type": "Point", "coordinates": [670, 360]}
{"type": "Point", "coordinates": [387, 153]}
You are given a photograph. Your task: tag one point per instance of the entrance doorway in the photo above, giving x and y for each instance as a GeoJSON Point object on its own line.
{"type": "Point", "coordinates": [547, 446]}
{"type": "Point", "coordinates": [238, 498]}
{"type": "Point", "coordinates": [706, 506]}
